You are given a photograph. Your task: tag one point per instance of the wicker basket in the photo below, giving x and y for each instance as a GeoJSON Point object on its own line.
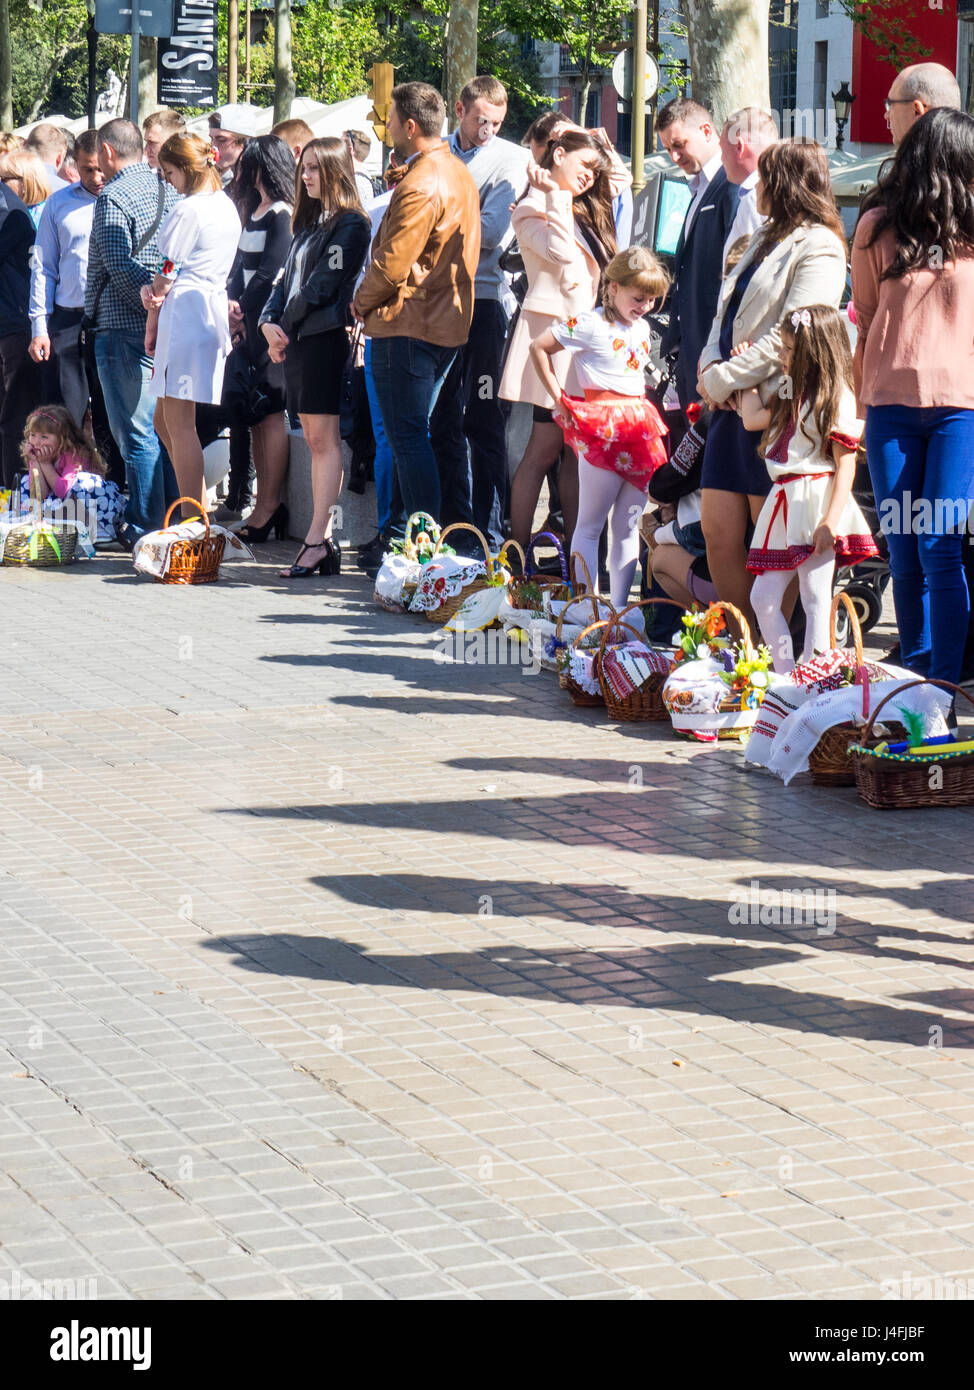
{"type": "Point", "coordinates": [646, 703]}
{"type": "Point", "coordinates": [579, 696]}
{"type": "Point", "coordinates": [37, 543]}
{"type": "Point", "coordinates": [728, 720]}
{"type": "Point", "coordinates": [898, 782]}
{"type": "Point", "coordinates": [196, 561]}
{"type": "Point", "coordinates": [557, 589]}
{"type": "Point", "coordinates": [829, 761]}
{"type": "Point", "coordinates": [451, 607]}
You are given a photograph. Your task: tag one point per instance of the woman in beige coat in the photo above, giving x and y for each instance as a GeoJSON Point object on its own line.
{"type": "Point", "coordinates": [566, 236]}
{"type": "Point", "coordinates": [796, 259]}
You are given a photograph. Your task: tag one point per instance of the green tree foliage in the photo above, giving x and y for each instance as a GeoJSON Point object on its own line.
{"type": "Point", "coordinates": [50, 58]}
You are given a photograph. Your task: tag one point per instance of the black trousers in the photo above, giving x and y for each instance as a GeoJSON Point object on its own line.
{"type": "Point", "coordinates": [21, 383]}
{"type": "Point", "coordinates": [71, 379]}
{"type": "Point", "coordinates": [469, 411]}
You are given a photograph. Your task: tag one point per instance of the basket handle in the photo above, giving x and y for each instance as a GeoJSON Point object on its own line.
{"type": "Point", "coordinates": [616, 621]}
{"type": "Point", "coordinates": [529, 554]}
{"type": "Point", "coordinates": [944, 685]}
{"type": "Point", "coordinates": [427, 523]}
{"type": "Point", "coordinates": [646, 603]}
{"type": "Point", "coordinates": [36, 501]}
{"type": "Point", "coordinates": [578, 598]}
{"type": "Point", "coordinates": [854, 625]}
{"type": "Point", "coordinates": [585, 587]}
{"type": "Point", "coordinates": [512, 544]}
{"type": "Point", "coordinates": [196, 503]}
{"type": "Point", "coordinates": [602, 622]}
{"type": "Point", "coordinates": [742, 623]}
{"type": "Point", "coordinates": [467, 526]}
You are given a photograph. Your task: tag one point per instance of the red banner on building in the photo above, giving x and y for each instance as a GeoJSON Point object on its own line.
{"type": "Point", "coordinates": [934, 24]}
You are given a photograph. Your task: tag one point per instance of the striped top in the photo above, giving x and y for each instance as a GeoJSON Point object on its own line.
{"type": "Point", "coordinates": [261, 253]}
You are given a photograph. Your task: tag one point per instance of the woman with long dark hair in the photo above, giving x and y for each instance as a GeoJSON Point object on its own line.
{"type": "Point", "coordinates": [264, 181]}
{"type": "Point", "coordinates": [305, 322]}
{"type": "Point", "coordinates": [566, 235]}
{"type": "Point", "coordinates": [913, 288]}
{"type": "Point", "coordinates": [798, 257]}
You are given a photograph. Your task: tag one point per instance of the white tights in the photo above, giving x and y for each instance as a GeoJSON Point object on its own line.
{"type": "Point", "coordinates": [815, 588]}
{"type": "Point", "coordinates": [603, 495]}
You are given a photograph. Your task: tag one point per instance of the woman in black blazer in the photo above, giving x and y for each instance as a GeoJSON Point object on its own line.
{"type": "Point", "coordinates": [305, 322]}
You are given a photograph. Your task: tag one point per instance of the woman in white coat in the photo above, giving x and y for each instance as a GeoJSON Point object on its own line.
{"type": "Point", "coordinates": [797, 258]}
{"type": "Point", "coordinates": [188, 326]}
{"type": "Point", "coordinates": [566, 236]}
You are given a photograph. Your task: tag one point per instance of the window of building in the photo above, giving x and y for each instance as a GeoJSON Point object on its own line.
{"type": "Point", "coordinates": [821, 78]}
{"type": "Point", "coordinates": [822, 8]}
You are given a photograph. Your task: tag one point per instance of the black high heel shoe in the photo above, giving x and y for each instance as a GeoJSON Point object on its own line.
{"type": "Point", "coordinates": [253, 535]}
{"type": "Point", "coordinates": [322, 566]}
{"type": "Point", "coordinates": [334, 558]}
{"type": "Point", "coordinates": [278, 523]}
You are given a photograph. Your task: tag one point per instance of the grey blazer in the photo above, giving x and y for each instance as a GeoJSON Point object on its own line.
{"type": "Point", "coordinates": [807, 267]}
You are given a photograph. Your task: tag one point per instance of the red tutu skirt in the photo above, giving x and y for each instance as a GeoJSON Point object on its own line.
{"type": "Point", "coordinates": [623, 434]}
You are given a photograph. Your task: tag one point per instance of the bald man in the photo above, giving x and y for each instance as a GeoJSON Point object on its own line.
{"type": "Point", "coordinates": [917, 90]}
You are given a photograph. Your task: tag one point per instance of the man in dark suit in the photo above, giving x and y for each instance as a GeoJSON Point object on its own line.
{"type": "Point", "coordinates": [19, 376]}
{"type": "Point", "coordinates": [689, 136]}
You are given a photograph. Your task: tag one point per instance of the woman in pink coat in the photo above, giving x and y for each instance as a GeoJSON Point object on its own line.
{"type": "Point", "coordinates": [566, 236]}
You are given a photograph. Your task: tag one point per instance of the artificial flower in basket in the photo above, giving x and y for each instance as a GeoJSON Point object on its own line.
{"type": "Point", "coordinates": [702, 634]}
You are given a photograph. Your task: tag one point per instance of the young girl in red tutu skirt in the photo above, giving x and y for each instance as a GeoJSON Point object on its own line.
{"type": "Point", "coordinates": [615, 431]}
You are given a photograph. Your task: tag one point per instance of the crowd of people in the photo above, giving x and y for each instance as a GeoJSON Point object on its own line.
{"type": "Point", "coordinates": [157, 287]}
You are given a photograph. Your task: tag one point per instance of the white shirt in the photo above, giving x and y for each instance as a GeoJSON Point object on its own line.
{"type": "Point", "coordinates": [608, 356]}
{"type": "Point", "coordinates": [698, 186]}
{"type": "Point", "coordinates": [747, 219]}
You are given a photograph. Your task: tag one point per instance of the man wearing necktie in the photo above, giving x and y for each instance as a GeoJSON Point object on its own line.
{"type": "Point", "coordinates": [688, 135]}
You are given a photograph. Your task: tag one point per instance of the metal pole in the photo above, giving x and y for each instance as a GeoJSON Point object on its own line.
{"type": "Point", "coordinates": [134, 66]}
{"type": "Point", "coordinates": [233, 44]}
{"type": "Point", "coordinates": [638, 95]}
{"type": "Point", "coordinates": [92, 70]}
{"type": "Point", "coordinates": [247, 53]}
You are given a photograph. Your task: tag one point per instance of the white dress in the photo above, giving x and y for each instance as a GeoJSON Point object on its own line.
{"type": "Point", "coordinates": [199, 238]}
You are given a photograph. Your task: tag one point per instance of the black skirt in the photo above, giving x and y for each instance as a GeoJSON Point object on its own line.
{"type": "Point", "coordinates": [314, 367]}
{"type": "Point", "coordinates": [731, 462]}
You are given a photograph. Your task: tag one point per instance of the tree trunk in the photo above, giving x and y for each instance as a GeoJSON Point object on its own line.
{"type": "Point", "coordinates": [148, 88]}
{"type": "Point", "coordinates": [92, 65]}
{"type": "Point", "coordinates": [728, 54]}
{"type": "Point", "coordinates": [60, 49]}
{"type": "Point", "coordinates": [283, 71]}
{"type": "Point", "coordinates": [461, 53]}
{"type": "Point", "coordinates": [6, 73]}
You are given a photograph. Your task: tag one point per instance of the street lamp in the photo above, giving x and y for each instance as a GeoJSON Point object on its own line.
{"type": "Point", "coordinates": [842, 101]}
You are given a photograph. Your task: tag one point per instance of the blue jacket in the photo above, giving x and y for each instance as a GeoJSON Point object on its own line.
{"type": "Point", "coordinates": [16, 240]}
{"type": "Point", "coordinates": [698, 271]}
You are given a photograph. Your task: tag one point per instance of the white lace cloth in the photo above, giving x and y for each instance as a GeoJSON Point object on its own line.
{"type": "Point", "coordinates": [395, 575]}
{"type": "Point", "coordinates": [153, 551]}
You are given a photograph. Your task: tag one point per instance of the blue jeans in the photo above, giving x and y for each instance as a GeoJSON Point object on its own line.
{"type": "Point", "coordinates": [407, 374]}
{"type": "Point", "coordinates": [921, 461]}
{"type": "Point", "coordinates": [125, 371]}
{"type": "Point", "coordinates": [383, 467]}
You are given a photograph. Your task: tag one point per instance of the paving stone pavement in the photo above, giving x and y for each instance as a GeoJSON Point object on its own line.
{"type": "Point", "coordinates": [330, 970]}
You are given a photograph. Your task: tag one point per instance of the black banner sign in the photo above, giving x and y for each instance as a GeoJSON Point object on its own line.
{"type": "Point", "coordinates": [187, 71]}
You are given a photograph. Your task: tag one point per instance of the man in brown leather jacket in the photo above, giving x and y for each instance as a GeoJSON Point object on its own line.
{"type": "Point", "coordinates": [416, 297]}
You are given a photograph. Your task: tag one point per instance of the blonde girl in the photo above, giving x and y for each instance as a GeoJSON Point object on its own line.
{"type": "Point", "coordinates": [615, 431]}
{"type": "Point", "coordinates": [71, 472]}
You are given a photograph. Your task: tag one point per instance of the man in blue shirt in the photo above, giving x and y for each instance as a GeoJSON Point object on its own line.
{"type": "Point", "coordinates": [123, 255]}
{"type": "Point", "coordinates": [468, 409]}
{"type": "Point", "coordinates": [59, 269]}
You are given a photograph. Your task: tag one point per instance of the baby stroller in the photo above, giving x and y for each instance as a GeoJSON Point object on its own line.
{"type": "Point", "coordinates": [866, 583]}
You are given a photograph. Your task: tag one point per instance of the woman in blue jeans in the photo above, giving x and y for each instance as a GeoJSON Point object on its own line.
{"type": "Point", "coordinates": [913, 287]}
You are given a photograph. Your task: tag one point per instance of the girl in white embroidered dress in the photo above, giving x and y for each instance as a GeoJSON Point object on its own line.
{"type": "Point", "coordinates": [809, 521]}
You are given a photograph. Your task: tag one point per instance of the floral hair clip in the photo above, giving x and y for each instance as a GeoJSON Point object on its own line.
{"type": "Point", "coordinates": [802, 318]}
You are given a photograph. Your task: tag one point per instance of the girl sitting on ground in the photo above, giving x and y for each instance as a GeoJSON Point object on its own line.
{"type": "Point", "coordinates": [71, 472]}
{"type": "Point", "coordinates": [615, 431]}
{"type": "Point", "coordinates": [809, 520]}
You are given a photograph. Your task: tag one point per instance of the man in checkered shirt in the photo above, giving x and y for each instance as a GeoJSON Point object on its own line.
{"type": "Point", "coordinates": [129, 211]}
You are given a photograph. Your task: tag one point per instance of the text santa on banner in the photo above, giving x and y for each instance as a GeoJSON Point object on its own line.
{"type": "Point", "coordinates": [187, 69]}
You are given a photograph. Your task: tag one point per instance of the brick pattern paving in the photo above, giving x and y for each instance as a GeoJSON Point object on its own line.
{"type": "Point", "coordinates": [329, 970]}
